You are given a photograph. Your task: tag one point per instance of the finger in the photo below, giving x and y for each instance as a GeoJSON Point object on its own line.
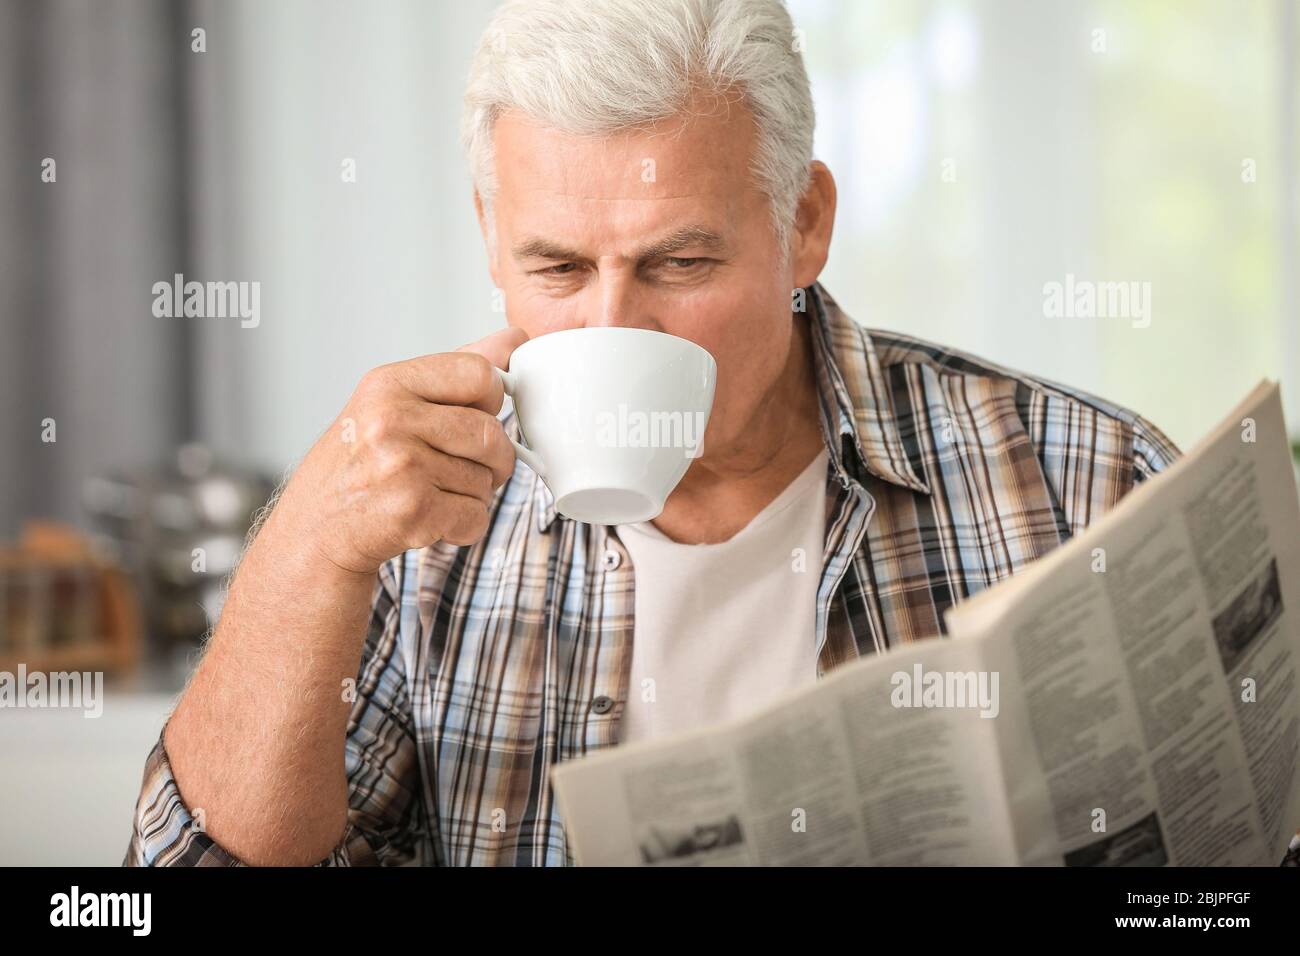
{"type": "Point", "coordinates": [451, 378]}
{"type": "Point", "coordinates": [461, 476]}
{"type": "Point", "coordinates": [463, 377]}
{"type": "Point", "coordinates": [458, 519]}
{"type": "Point", "coordinates": [463, 432]}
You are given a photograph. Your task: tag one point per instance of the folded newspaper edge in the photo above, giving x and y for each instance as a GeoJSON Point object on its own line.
{"type": "Point", "coordinates": [1130, 698]}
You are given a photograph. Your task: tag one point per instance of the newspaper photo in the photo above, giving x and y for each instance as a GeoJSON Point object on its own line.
{"type": "Point", "coordinates": [1129, 699]}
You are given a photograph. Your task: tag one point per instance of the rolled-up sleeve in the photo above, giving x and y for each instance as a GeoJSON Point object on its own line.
{"type": "Point", "coordinates": [385, 817]}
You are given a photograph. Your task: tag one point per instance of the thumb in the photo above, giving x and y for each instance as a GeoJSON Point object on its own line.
{"type": "Point", "coordinates": [498, 346]}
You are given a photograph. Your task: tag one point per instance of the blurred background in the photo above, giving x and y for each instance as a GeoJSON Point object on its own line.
{"type": "Point", "coordinates": [983, 149]}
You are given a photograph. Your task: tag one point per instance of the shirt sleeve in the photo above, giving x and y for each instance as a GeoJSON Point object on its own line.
{"type": "Point", "coordinates": [1153, 452]}
{"type": "Point", "coordinates": [385, 819]}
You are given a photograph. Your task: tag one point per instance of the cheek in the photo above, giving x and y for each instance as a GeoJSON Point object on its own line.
{"type": "Point", "coordinates": [539, 314]}
{"type": "Point", "coordinates": [728, 320]}
{"type": "Point", "coordinates": [749, 369]}
{"type": "Point", "coordinates": [750, 346]}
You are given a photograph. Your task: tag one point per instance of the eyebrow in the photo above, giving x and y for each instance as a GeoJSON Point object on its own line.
{"type": "Point", "coordinates": [686, 237]}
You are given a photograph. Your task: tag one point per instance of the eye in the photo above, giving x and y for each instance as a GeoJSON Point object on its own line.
{"type": "Point", "coordinates": [563, 269]}
{"type": "Point", "coordinates": [679, 264]}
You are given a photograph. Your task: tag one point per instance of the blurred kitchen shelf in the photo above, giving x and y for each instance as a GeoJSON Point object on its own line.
{"type": "Point", "coordinates": [62, 608]}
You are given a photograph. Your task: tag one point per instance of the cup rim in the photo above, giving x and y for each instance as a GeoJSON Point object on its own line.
{"type": "Point", "coordinates": [619, 329]}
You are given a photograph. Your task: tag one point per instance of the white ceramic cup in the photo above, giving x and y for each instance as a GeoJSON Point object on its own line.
{"type": "Point", "coordinates": [611, 418]}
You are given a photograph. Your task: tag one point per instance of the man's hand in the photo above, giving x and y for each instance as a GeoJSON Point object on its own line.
{"type": "Point", "coordinates": [258, 737]}
{"type": "Point", "coordinates": [414, 458]}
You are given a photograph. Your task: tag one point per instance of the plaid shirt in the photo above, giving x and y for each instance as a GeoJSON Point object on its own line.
{"type": "Point", "coordinates": [486, 665]}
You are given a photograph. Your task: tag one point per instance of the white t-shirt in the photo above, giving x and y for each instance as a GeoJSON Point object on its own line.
{"type": "Point", "coordinates": [721, 629]}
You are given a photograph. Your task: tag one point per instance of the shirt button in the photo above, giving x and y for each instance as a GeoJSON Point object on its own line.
{"type": "Point", "coordinates": [612, 560]}
{"type": "Point", "coordinates": [602, 705]}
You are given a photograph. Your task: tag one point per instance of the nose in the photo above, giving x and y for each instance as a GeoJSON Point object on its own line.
{"type": "Point", "coordinates": [620, 302]}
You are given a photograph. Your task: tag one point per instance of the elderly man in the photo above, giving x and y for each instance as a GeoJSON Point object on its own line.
{"type": "Point", "coordinates": [414, 638]}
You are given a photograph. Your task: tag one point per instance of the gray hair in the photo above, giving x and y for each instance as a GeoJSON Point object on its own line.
{"type": "Point", "coordinates": [601, 66]}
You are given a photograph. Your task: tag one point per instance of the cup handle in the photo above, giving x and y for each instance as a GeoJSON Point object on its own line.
{"type": "Point", "coordinates": [510, 383]}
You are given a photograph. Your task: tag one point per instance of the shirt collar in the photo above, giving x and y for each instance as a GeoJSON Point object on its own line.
{"type": "Point", "coordinates": [857, 414]}
{"type": "Point", "coordinates": [856, 399]}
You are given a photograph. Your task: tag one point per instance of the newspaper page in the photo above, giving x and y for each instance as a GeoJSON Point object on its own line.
{"type": "Point", "coordinates": [1156, 713]}
{"type": "Point", "coordinates": [834, 774]}
{"type": "Point", "coordinates": [1129, 699]}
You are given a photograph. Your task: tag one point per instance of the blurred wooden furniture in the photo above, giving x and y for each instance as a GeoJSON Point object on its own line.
{"type": "Point", "coordinates": [63, 609]}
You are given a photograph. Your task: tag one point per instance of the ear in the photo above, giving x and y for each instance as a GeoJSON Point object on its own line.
{"type": "Point", "coordinates": [487, 238]}
{"type": "Point", "coordinates": [814, 220]}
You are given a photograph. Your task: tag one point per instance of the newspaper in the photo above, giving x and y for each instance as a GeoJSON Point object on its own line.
{"type": "Point", "coordinates": [1129, 699]}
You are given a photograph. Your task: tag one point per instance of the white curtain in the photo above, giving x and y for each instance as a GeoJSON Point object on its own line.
{"type": "Point", "coordinates": [97, 88]}
{"type": "Point", "coordinates": [353, 274]}
{"type": "Point", "coordinates": [986, 148]}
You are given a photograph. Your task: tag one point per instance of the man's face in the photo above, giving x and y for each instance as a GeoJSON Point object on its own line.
{"type": "Point", "coordinates": [659, 230]}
